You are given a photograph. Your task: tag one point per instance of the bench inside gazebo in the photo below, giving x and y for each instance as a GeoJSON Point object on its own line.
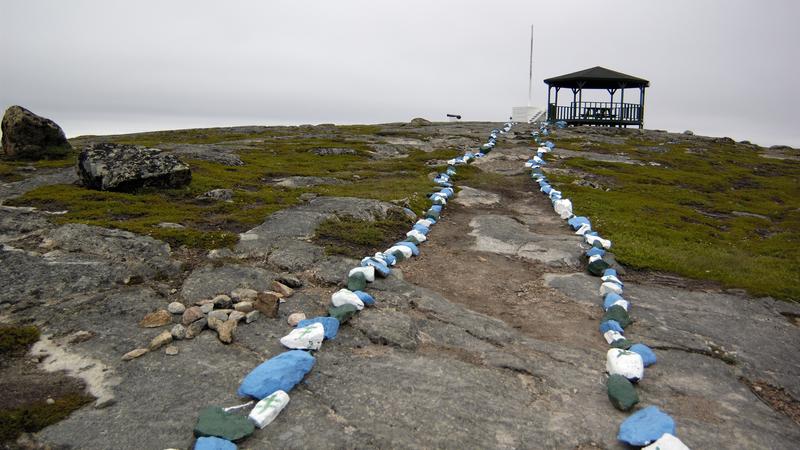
{"type": "Point", "coordinates": [578, 112]}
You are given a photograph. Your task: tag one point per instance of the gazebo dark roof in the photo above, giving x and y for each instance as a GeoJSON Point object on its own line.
{"type": "Point", "coordinates": [597, 78]}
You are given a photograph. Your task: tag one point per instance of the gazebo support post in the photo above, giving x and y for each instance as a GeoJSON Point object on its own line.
{"type": "Point", "coordinates": [641, 108]}
{"type": "Point", "coordinates": [549, 88]}
{"type": "Point", "coordinates": [621, 105]}
{"type": "Point", "coordinates": [574, 99]}
{"type": "Point", "coordinates": [556, 104]}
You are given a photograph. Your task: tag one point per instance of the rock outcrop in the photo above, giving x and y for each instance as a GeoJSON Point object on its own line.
{"type": "Point", "coordinates": [28, 136]}
{"type": "Point", "coordinates": [419, 122]}
{"type": "Point", "coordinates": [114, 167]}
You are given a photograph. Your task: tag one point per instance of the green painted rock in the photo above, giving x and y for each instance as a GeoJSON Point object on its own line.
{"type": "Point", "coordinates": [432, 215]}
{"type": "Point", "coordinates": [214, 421]}
{"type": "Point", "coordinates": [412, 239]}
{"type": "Point", "coordinates": [357, 281]}
{"type": "Point", "coordinates": [621, 392]}
{"type": "Point", "coordinates": [597, 268]}
{"type": "Point", "coordinates": [619, 314]}
{"type": "Point", "coordinates": [398, 255]}
{"type": "Point", "coordinates": [622, 343]}
{"type": "Point", "coordinates": [342, 313]}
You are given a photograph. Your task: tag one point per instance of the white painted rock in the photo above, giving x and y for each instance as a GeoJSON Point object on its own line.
{"type": "Point", "coordinates": [346, 297]}
{"type": "Point", "coordinates": [407, 253]}
{"type": "Point", "coordinates": [425, 223]}
{"type": "Point", "coordinates": [611, 278]}
{"type": "Point", "coordinates": [305, 338]}
{"type": "Point", "coordinates": [368, 271]}
{"type": "Point", "coordinates": [584, 228]}
{"type": "Point", "coordinates": [667, 442]}
{"type": "Point", "coordinates": [268, 408]}
{"type": "Point", "coordinates": [622, 362]}
{"type": "Point", "coordinates": [543, 149]}
{"type": "Point", "coordinates": [604, 242]}
{"type": "Point", "coordinates": [609, 287]}
{"type": "Point", "coordinates": [623, 303]}
{"type": "Point", "coordinates": [417, 235]}
{"type": "Point", "coordinates": [612, 336]}
{"type": "Point", "coordinates": [563, 208]}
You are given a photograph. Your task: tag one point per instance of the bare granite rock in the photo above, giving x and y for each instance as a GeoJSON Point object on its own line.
{"type": "Point", "coordinates": [117, 167]}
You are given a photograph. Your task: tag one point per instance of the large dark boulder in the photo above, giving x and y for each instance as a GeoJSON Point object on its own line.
{"type": "Point", "coordinates": [28, 136]}
{"type": "Point", "coordinates": [115, 167]}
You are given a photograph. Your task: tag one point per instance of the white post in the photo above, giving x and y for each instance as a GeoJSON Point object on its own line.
{"type": "Point", "coordinates": [530, 69]}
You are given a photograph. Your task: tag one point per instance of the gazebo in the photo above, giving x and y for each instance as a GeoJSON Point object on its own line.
{"type": "Point", "coordinates": [612, 114]}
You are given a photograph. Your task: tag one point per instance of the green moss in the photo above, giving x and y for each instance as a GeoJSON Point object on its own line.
{"type": "Point", "coordinates": [9, 169]}
{"type": "Point", "coordinates": [33, 417]}
{"type": "Point", "coordinates": [356, 238]}
{"type": "Point", "coordinates": [684, 215]}
{"type": "Point", "coordinates": [15, 340]}
{"type": "Point", "coordinates": [283, 152]}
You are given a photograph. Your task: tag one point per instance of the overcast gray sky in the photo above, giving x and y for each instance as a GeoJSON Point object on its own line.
{"type": "Point", "coordinates": [718, 67]}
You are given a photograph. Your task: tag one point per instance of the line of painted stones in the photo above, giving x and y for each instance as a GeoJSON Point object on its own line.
{"type": "Point", "coordinates": [625, 361]}
{"type": "Point", "coordinates": [218, 428]}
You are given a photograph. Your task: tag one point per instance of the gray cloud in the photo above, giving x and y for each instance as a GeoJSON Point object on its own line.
{"type": "Point", "coordinates": [717, 67]}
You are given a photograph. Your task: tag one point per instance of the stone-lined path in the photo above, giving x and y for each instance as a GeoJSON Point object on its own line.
{"type": "Point", "coordinates": [488, 339]}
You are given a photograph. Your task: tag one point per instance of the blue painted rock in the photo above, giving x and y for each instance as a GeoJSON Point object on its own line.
{"type": "Point", "coordinates": [365, 298]}
{"type": "Point", "coordinates": [645, 426]}
{"type": "Point", "coordinates": [648, 357]}
{"type": "Point", "coordinates": [280, 373]}
{"type": "Point", "coordinates": [214, 443]}
{"type": "Point", "coordinates": [381, 269]}
{"type": "Point", "coordinates": [421, 229]}
{"type": "Point", "coordinates": [431, 214]}
{"type": "Point", "coordinates": [595, 251]}
{"type": "Point", "coordinates": [330, 324]}
{"type": "Point", "coordinates": [214, 421]}
{"type": "Point", "coordinates": [610, 325]}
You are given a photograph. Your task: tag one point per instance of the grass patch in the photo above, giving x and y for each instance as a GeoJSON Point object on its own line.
{"type": "Point", "coordinates": [9, 169]}
{"type": "Point", "coordinates": [723, 213]}
{"type": "Point", "coordinates": [275, 153]}
{"type": "Point", "coordinates": [16, 340]}
{"type": "Point", "coordinates": [33, 417]}
{"type": "Point", "coordinates": [354, 238]}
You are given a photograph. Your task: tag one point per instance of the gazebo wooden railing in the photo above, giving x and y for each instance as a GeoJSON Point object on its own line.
{"type": "Point", "coordinates": [610, 113]}
{"type": "Point", "coordinates": [596, 113]}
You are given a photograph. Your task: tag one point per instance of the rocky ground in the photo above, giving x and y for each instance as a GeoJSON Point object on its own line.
{"type": "Point", "coordinates": [488, 339]}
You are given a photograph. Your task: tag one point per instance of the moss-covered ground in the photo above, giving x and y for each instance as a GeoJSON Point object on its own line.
{"type": "Point", "coordinates": [715, 211]}
{"type": "Point", "coordinates": [355, 238]}
{"type": "Point", "coordinates": [24, 406]}
{"type": "Point", "coordinates": [278, 152]}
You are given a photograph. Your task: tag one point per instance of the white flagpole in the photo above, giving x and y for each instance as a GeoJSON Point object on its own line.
{"type": "Point", "coordinates": [530, 70]}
